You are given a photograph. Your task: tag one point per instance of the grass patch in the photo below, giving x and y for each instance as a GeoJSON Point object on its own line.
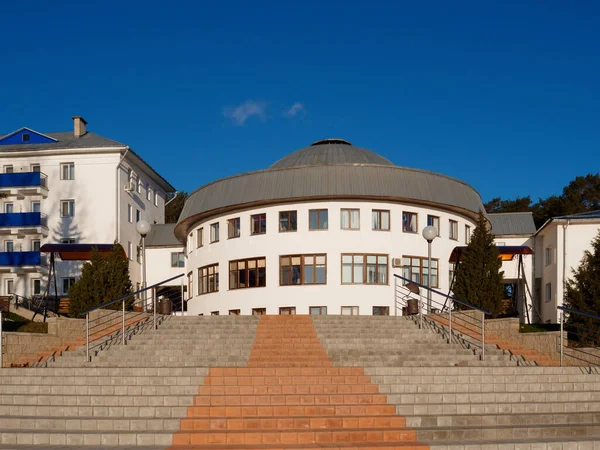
{"type": "Point", "coordinates": [14, 322]}
{"type": "Point", "coordinates": [538, 327]}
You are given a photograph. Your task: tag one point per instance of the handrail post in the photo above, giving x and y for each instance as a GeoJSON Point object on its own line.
{"type": "Point", "coordinates": [395, 295]}
{"type": "Point", "coordinates": [420, 310]}
{"type": "Point", "coordinates": [482, 336]}
{"type": "Point", "coordinates": [123, 322]}
{"type": "Point", "coordinates": [87, 337]}
{"type": "Point", "coordinates": [1, 340]}
{"type": "Point", "coordinates": [154, 305]}
{"type": "Point", "coordinates": [450, 315]}
{"type": "Point", "coordinates": [562, 331]}
{"type": "Point", "coordinates": [181, 297]}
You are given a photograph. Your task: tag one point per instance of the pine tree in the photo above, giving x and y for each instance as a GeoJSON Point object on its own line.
{"type": "Point", "coordinates": [479, 279]}
{"type": "Point", "coordinates": [583, 293]}
{"type": "Point", "coordinates": [102, 279]}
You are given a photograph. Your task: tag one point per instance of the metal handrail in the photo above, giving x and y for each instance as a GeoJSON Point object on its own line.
{"type": "Point", "coordinates": [563, 310]}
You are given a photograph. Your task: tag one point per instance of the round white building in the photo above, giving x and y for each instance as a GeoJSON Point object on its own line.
{"type": "Point", "coordinates": [322, 230]}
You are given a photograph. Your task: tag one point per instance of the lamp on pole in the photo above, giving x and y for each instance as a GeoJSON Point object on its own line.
{"type": "Point", "coordinates": [143, 228]}
{"type": "Point", "coordinates": [429, 233]}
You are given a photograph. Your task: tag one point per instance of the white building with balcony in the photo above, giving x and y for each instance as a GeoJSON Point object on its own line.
{"type": "Point", "coordinates": [70, 187]}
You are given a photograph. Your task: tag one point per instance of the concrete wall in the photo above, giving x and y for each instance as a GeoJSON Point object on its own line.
{"type": "Point", "coordinates": [17, 345]}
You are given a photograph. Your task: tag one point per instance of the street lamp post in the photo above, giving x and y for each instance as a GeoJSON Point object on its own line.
{"type": "Point", "coordinates": [143, 228]}
{"type": "Point", "coordinates": [429, 233]}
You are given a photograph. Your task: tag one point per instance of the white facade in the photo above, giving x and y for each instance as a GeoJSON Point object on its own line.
{"type": "Point", "coordinates": [332, 242]}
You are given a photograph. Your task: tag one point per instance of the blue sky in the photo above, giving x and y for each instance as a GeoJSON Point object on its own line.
{"type": "Point", "coordinates": [501, 94]}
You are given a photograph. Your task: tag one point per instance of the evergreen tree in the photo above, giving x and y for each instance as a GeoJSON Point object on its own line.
{"type": "Point", "coordinates": [583, 293]}
{"type": "Point", "coordinates": [479, 279]}
{"type": "Point", "coordinates": [102, 279]}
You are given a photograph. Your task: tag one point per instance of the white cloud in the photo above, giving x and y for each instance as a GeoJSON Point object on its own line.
{"type": "Point", "coordinates": [243, 112]}
{"type": "Point", "coordinates": [296, 109]}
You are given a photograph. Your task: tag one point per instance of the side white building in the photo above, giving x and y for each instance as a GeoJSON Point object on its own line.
{"type": "Point", "coordinates": [70, 187]}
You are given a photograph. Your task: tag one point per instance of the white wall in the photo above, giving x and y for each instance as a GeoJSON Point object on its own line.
{"type": "Point", "coordinates": [333, 242]}
{"type": "Point", "coordinates": [159, 265]}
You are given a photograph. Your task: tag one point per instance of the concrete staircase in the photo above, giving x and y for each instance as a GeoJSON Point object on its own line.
{"type": "Point", "coordinates": [228, 382]}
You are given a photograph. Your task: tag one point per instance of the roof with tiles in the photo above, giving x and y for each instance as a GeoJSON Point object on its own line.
{"type": "Point", "coordinates": [519, 223]}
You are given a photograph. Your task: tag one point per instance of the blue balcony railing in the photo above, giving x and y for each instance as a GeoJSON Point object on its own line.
{"type": "Point", "coordinates": [20, 259]}
{"type": "Point", "coordinates": [23, 219]}
{"type": "Point", "coordinates": [23, 179]}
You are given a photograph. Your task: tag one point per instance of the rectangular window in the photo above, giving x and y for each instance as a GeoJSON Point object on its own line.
{"type": "Point", "coordinates": [214, 232]}
{"type": "Point", "coordinates": [453, 234]}
{"type": "Point", "coordinates": [36, 168]}
{"type": "Point", "coordinates": [36, 207]}
{"type": "Point", "coordinates": [138, 215]}
{"type": "Point", "coordinates": [8, 169]}
{"type": "Point", "coordinates": [318, 219]}
{"type": "Point", "coordinates": [248, 273]}
{"type": "Point", "coordinates": [417, 269]}
{"type": "Point", "coordinates": [208, 279]}
{"type": "Point", "coordinates": [318, 310]}
{"type": "Point", "coordinates": [380, 220]}
{"type": "Point", "coordinates": [9, 208]}
{"type": "Point", "coordinates": [36, 286]}
{"type": "Point", "coordinates": [434, 221]}
{"type": "Point", "coordinates": [381, 310]}
{"type": "Point", "coordinates": [67, 171]}
{"type": "Point", "coordinates": [149, 194]}
{"type": "Point", "coordinates": [467, 234]}
{"type": "Point", "coordinates": [10, 287]}
{"type": "Point", "coordinates": [67, 283]}
{"type": "Point", "coordinates": [548, 296]}
{"type": "Point", "coordinates": [9, 246]}
{"type": "Point", "coordinates": [177, 259]}
{"type": "Point", "coordinates": [287, 311]}
{"type": "Point", "coordinates": [258, 224]}
{"type": "Point", "coordinates": [130, 213]}
{"type": "Point", "coordinates": [302, 269]}
{"type": "Point", "coordinates": [409, 222]}
{"type": "Point", "coordinates": [35, 245]}
{"type": "Point", "coordinates": [234, 312]}
{"type": "Point", "coordinates": [190, 285]}
{"type": "Point", "coordinates": [25, 137]}
{"type": "Point", "coordinates": [364, 269]}
{"type": "Point", "coordinates": [233, 228]}
{"type": "Point", "coordinates": [349, 310]}
{"type": "Point", "coordinates": [200, 237]}
{"type": "Point", "coordinates": [67, 241]}
{"type": "Point", "coordinates": [130, 251]}
{"type": "Point", "coordinates": [139, 187]}
{"type": "Point", "coordinates": [451, 272]}
{"type": "Point", "coordinates": [259, 311]}
{"type": "Point", "coordinates": [67, 208]}
{"type": "Point", "coordinates": [288, 221]}
{"type": "Point", "coordinates": [350, 219]}
{"type": "Point", "coordinates": [548, 256]}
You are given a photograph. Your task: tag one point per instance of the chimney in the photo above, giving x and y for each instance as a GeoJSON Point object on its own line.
{"type": "Point", "coordinates": [79, 124]}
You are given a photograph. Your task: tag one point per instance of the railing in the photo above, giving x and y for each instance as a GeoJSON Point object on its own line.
{"type": "Point", "coordinates": [450, 315]}
{"type": "Point", "coordinates": [21, 259]}
{"type": "Point", "coordinates": [579, 336]}
{"type": "Point", "coordinates": [23, 179]}
{"type": "Point", "coordinates": [23, 219]}
{"type": "Point", "coordinates": [102, 331]}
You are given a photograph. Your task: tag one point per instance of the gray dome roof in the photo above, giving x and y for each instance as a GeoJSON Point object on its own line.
{"type": "Point", "coordinates": [331, 151]}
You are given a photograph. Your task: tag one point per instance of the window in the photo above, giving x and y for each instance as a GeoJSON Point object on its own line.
{"type": "Point", "coordinates": [416, 269]}
{"type": "Point", "coordinates": [9, 208]}
{"type": "Point", "coordinates": [130, 251]}
{"type": "Point", "coordinates": [214, 232]}
{"type": "Point", "coordinates": [10, 286]}
{"type": "Point", "coordinates": [130, 213]}
{"type": "Point", "coordinates": [259, 311]}
{"type": "Point", "coordinates": [381, 310]}
{"type": "Point", "coordinates": [380, 220]}
{"type": "Point", "coordinates": [548, 255]}
{"type": "Point", "coordinates": [451, 272]}
{"type": "Point", "coordinates": [177, 259]}
{"type": "Point", "coordinates": [409, 222]}
{"type": "Point", "coordinates": [149, 194]}
{"type": "Point", "coordinates": [190, 284]}
{"type": "Point", "coordinates": [288, 221]}
{"type": "Point", "coordinates": [8, 169]}
{"type": "Point", "coordinates": [35, 168]}
{"type": "Point", "coordinates": [548, 296]}
{"type": "Point", "coordinates": [67, 241]}
{"type": "Point", "coordinates": [200, 237]}
{"type": "Point", "coordinates": [317, 219]}
{"type": "Point", "coordinates": [318, 310]}
{"type": "Point", "coordinates": [453, 230]}
{"type": "Point", "coordinates": [36, 206]}
{"type": "Point", "coordinates": [67, 283]}
{"type": "Point", "coordinates": [35, 245]}
{"type": "Point", "coordinates": [258, 224]}
{"type": "Point", "coordinates": [467, 234]}
{"type": "Point", "coordinates": [434, 221]}
{"type": "Point", "coordinates": [349, 310]}
{"type": "Point", "coordinates": [36, 286]}
{"type": "Point", "coordinates": [67, 171]}
{"type": "Point", "coordinates": [25, 137]}
{"type": "Point", "coordinates": [208, 279]}
{"type": "Point", "coordinates": [302, 269]}
{"type": "Point", "coordinates": [214, 313]}
{"type": "Point", "coordinates": [67, 208]}
{"type": "Point", "coordinates": [138, 215]}
{"type": "Point", "coordinates": [233, 228]}
{"type": "Point", "coordinates": [139, 186]}
{"type": "Point", "coordinates": [9, 246]}
{"type": "Point", "coordinates": [364, 269]}
{"type": "Point", "coordinates": [247, 273]}
{"type": "Point", "coordinates": [234, 312]}
{"type": "Point", "coordinates": [155, 198]}
{"type": "Point", "coordinates": [350, 219]}
{"type": "Point", "coordinates": [287, 311]}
